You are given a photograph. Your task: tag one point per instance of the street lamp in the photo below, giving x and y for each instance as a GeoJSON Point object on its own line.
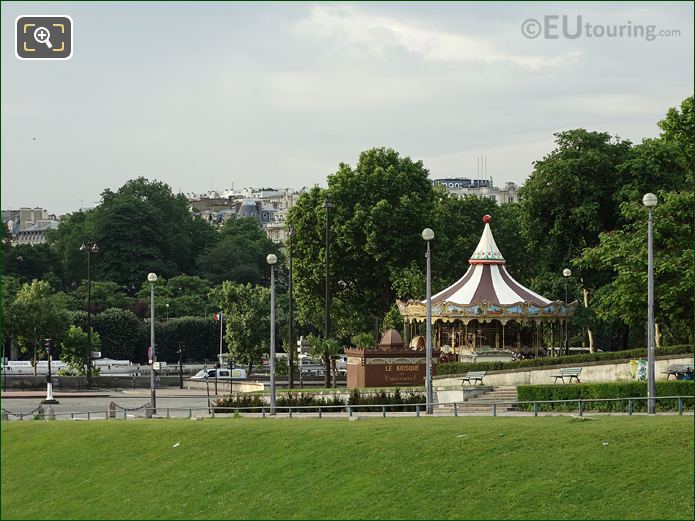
{"type": "Point", "coordinates": [89, 247]}
{"type": "Point", "coordinates": [152, 278]}
{"type": "Point", "coordinates": [272, 259]}
{"type": "Point", "coordinates": [567, 273]}
{"type": "Point", "coordinates": [290, 319]}
{"type": "Point", "coordinates": [428, 235]}
{"type": "Point", "coordinates": [167, 306]}
{"type": "Point", "coordinates": [327, 325]}
{"type": "Point", "coordinates": [649, 200]}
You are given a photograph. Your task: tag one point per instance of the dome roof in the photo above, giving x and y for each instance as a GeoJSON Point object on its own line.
{"type": "Point", "coordinates": [391, 339]}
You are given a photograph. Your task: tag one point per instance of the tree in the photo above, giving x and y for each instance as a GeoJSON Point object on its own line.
{"type": "Point", "coordinates": [568, 198]}
{"type": "Point", "coordinates": [677, 127]}
{"type": "Point", "coordinates": [38, 313]}
{"type": "Point", "coordinates": [363, 340]}
{"type": "Point", "coordinates": [123, 335]}
{"type": "Point", "coordinates": [624, 253]}
{"type": "Point", "coordinates": [327, 350]}
{"type": "Point", "coordinates": [73, 349]}
{"type": "Point", "coordinates": [246, 309]}
{"type": "Point", "coordinates": [239, 255]}
{"type": "Point", "coordinates": [186, 295]}
{"type": "Point", "coordinates": [381, 206]}
{"type": "Point", "coordinates": [27, 262]}
{"type": "Point", "coordinates": [105, 294]}
{"type": "Point", "coordinates": [73, 231]}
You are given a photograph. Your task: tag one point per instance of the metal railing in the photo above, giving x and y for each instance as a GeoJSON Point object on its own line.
{"type": "Point", "coordinates": [319, 411]}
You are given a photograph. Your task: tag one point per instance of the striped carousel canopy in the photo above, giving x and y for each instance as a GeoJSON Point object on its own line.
{"type": "Point", "coordinates": [487, 279]}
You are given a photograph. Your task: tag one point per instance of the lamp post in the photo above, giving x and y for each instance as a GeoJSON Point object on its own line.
{"type": "Point", "coordinates": [649, 200]}
{"type": "Point", "coordinates": [290, 332]}
{"type": "Point", "coordinates": [152, 278]}
{"type": "Point", "coordinates": [428, 235]}
{"type": "Point", "coordinates": [327, 325]}
{"type": "Point", "coordinates": [49, 381]}
{"type": "Point", "coordinates": [89, 247]}
{"type": "Point", "coordinates": [567, 273]}
{"type": "Point", "coordinates": [218, 365]}
{"type": "Point", "coordinates": [167, 306]}
{"type": "Point", "coordinates": [272, 259]}
{"type": "Point", "coordinates": [179, 351]}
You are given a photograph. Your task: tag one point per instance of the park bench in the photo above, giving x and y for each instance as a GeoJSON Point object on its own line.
{"type": "Point", "coordinates": [568, 372]}
{"type": "Point", "coordinates": [473, 376]}
{"type": "Point", "coordinates": [678, 369]}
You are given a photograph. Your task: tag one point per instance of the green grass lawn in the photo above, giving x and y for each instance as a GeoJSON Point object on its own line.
{"type": "Point", "coordinates": [412, 468]}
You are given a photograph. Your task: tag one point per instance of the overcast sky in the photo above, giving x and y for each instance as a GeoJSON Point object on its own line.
{"type": "Point", "coordinates": [210, 96]}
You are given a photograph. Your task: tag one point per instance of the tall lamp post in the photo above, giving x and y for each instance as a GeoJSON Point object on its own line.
{"type": "Point", "coordinates": [290, 311]}
{"type": "Point", "coordinates": [649, 200]}
{"type": "Point", "coordinates": [89, 247]}
{"type": "Point", "coordinates": [152, 278]}
{"type": "Point", "coordinates": [272, 259]}
{"type": "Point", "coordinates": [567, 273]}
{"type": "Point", "coordinates": [428, 235]}
{"type": "Point", "coordinates": [327, 325]}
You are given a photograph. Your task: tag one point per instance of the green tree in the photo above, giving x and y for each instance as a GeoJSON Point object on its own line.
{"type": "Point", "coordinates": [327, 350]}
{"type": "Point", "coordinates": [38, 313]}
{"type": "Point", "coordinates": [73, 349]}
{"type": "Point", "coordinates": [105, 294]}
{"type": "Point", "coordinates": [123, 335]}
{"type": "Point", "coordinates": [624, 253]}
{"type": "Point", "coordinates": [677, 127]}
{"type": "Point", "coordinates": [381, 206]}
{"type": "Point", "coordinates": [186, 295]}
{"type": "Point", "coordinates": [74, 230]}
{"type": "Point", "coordinates": [239, 255]}
{"type": "Point", "coordinates": [363, 340]}
{"type": "Point", "coordinates": [246, 311]}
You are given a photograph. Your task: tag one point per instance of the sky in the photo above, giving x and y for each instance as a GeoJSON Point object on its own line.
{"type": "Point", "coordinates": [211, 96]}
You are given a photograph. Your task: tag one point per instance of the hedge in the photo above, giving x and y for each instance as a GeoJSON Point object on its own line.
{"type": "Point", "coordinates": [408, 400]}
{"type": "Point", "coordinates": [464, 367]}
{"type": "Point", "coordinates": [632, 389]}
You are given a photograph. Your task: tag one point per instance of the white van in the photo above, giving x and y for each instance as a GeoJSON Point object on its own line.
{"type": "Point", "coordinates": [221, 374]}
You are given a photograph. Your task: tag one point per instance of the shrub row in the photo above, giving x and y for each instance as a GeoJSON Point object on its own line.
{"type": "Point", "coordinates": [605, 390]}
{"type": "Point", "coordinates": [463, 367]}
{"type": "Point", "coordinates": [312, 400]}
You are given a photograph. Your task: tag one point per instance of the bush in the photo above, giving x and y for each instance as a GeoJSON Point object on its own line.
{"type": "Point", "coordinates": [463, 367]}
{"type": "Point", "coordinates": [626, 390]}
{"type": "Point", "coordinates": [313, 401]}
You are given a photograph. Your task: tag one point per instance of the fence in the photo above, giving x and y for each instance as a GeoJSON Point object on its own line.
{"type": "Point", "coordinates": [319, 411]}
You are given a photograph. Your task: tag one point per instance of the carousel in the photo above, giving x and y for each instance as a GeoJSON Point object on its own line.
{"type": "Point", "coordinates": [487, 315]}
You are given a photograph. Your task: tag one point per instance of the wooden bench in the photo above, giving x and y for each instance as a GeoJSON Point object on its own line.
{"type": "Point", "coordinates": [678, 369]}
{"type": "Point", "coordinates": [569, 372]}
{"type": "Point", "coordinates": [473, 376]}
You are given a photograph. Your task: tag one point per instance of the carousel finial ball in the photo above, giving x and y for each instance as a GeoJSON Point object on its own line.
{"type": "Point", "coordinates": [487, 218]}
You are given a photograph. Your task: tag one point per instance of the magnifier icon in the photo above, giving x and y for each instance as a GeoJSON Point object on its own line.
{"type": "Point", "coordinates": [43, 35]}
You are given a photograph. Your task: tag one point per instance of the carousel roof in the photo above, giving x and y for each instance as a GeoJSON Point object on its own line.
{"type": "Point", "coordinates": [487, 279]}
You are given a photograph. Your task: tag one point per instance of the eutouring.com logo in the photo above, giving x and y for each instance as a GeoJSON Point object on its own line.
{"type": "Point", "coordinates": [554, 27]}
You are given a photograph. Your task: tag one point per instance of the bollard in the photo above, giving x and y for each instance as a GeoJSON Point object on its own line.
{"type": "Point", "coordinates": [349, 411]}
{"type": "Point", "coordinates": [213, 412]}
{"type": "Point", "coordinates": [494, 409]}
{"type": "Point", "coordinates": [106, 415]}
{"type": "Point", "coordinates": [680, 406]}
{"type": "Point", "coordinates": [40, 413]}
{"type": "Point", "coordinates": [50, 414]}
{"type": "Point", "coordinates": [89, 415]}
{"type": "Point", "coordinates": [319, 412]}
{"type": "Point", "coordinates": [629, 406]}
{"type": "Point", "coordinates": [263, 411]}
{"type": "Point", "coordinates": [148, 411]}
{"type": "Point", "coordinates": [125, 414]}
{"type": "Point", "coordinates": [535, 408]}
{"type": "Point", "coordinates": [112, 410]}
{"type": "Point", "coordinates": [290, 411]}
{"type": "Point", "coordinates": [580, 407]}
{"type": "Point", "coordinates": [190, 412]}
{"type": "Point", "coordinates": [72, 415]}
{"type": "Point", "coordinates": [417, 409]}
{"type": "Point", "coordinates": [167, 412]}
{"type": "Point", "coordinates": [383, 411]}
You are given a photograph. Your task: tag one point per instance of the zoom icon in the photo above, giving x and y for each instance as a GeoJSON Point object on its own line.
{"type": "Point", "coordinates": [45, 37]}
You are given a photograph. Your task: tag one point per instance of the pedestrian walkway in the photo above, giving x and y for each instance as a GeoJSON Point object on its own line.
{"type": "Point", "coordinates": [42, 394]}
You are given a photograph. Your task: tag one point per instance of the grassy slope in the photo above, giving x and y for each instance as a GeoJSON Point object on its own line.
{"type": "Point", "coordinates": [547, 467]}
